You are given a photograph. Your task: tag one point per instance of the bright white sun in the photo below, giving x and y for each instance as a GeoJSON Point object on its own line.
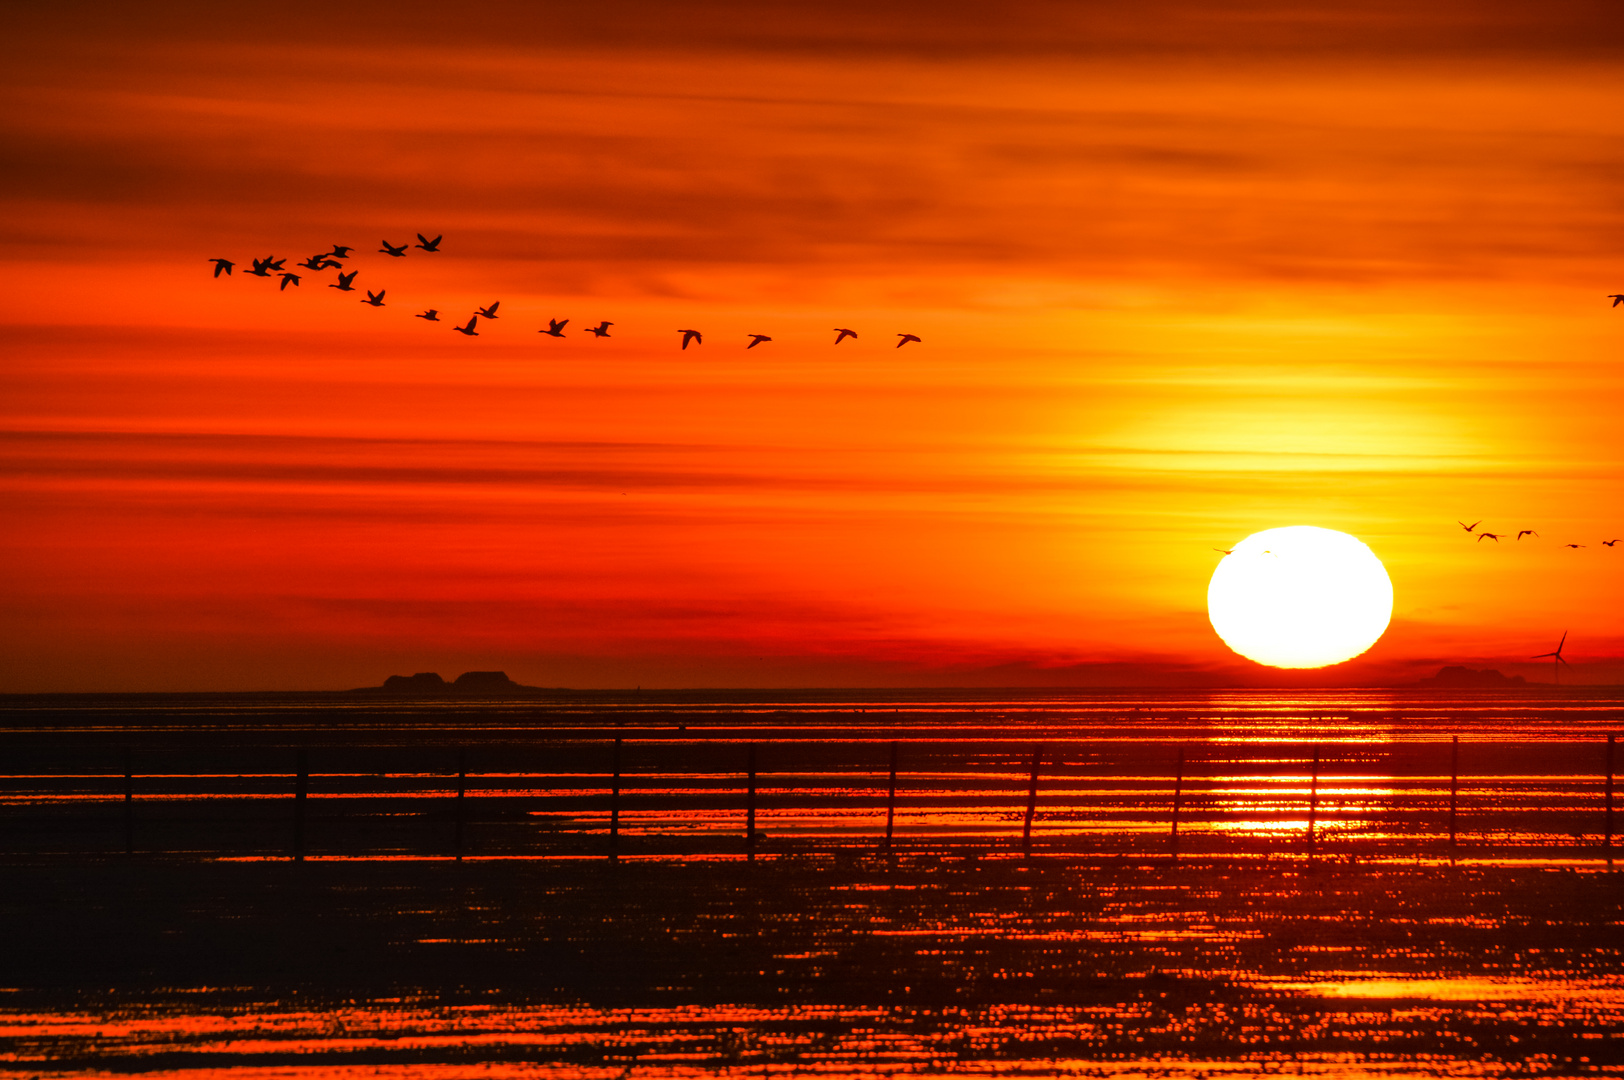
{"type": "Point", "coordinates": [1300, 597]}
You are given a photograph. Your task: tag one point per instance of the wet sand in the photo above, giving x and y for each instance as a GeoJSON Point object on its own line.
{"type": "Point", "coordinates": [827, 963]}
{"type": "Point", "coordinates": [1377, 951]}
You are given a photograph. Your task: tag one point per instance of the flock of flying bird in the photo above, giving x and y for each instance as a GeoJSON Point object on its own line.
{"type": "Point", "coordinates": [1497, 537]}
{"type": "Point", "coordinates": [1556, 658]}
{"type": "Point", "coordinates": [334, 260]}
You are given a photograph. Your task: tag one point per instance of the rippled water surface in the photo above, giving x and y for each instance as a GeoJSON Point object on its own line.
{"type": "Point", "coordinates": [1360, 883]}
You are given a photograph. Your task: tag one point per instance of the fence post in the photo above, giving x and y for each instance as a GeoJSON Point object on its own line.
{"type": "Point", "coordinates": [891, 800]}
{"type": "Point", "coordinates": [1313, 798]}
{"type": "Point", "coordinates": [301, 783]}
{"type": "Point", "coordinates": [129, 804]}
{"type": "Point", "coordinates": [614, 804]}
{"type": "Point", "coordinates": [1454, 784]}
{"type": "Point", "coordinates": [462, 788]}
{"type": "Point", "coordinates": [1031, 802]}
{"type": "Point", "coordinates": [1178, 798]}
{"type": "Point", "coordinates": [750, 806]}
{"type": "Point", "coordinates": [1607, 841]}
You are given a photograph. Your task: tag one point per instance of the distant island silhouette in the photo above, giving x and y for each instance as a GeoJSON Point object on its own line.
{"type": "Point", "coordinates": [468, 684]}
{"type": "Point", "coordinates": [1457, 677]}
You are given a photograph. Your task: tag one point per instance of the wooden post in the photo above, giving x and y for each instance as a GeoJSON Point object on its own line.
{"type": "Point", "coordinates": [462, 789]}
{"type": "Point", "coordinates": [1031, 802]}
{"type": "Point", "coordinates": [614, 804]}
{"type": "Point", "coordinates": [129, 804]}
{"type": "Point", "coordinates": [1454, 784]}
{"type": "Point", "coordinates": [1313, 798]}
{"type": "Point", "coordinates": [301, 783]}
{"type": "Point", "coordinates": [891, 801]}
{"type": "Point", "coordinates": [1178, 798]}
{"type": "Point", "coordinates": [750, 806]}
{"type": "Point", "coordinates": [1607, 840]}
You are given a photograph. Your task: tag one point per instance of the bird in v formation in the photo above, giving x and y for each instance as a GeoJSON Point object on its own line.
{"type": "Point", "coordinates": [334, 260]}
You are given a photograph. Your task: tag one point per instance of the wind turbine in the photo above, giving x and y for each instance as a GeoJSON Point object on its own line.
{"type": "Point", "coordinates": [1556, 658]}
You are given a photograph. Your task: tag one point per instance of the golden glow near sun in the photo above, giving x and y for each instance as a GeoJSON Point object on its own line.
{"type": "Point", "coordinates": [1300, 597]}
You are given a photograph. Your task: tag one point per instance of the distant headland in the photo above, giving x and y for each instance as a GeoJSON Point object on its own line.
{"type": "Point", "coordinates": [1457, 677]}
{"type": "Point", "coordinates": [468, 684]}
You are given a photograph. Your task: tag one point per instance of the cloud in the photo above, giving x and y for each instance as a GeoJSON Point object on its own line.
{"type": "Point", "coordinates": [911, 162]}
{"type": "Point", "coordinates": [940, 28]}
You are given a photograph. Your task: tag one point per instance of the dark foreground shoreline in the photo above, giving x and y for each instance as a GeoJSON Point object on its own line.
{"type": "Point", "coordinates": [153, 917]}
{"type": "Point", "coordinates": [806, 959]}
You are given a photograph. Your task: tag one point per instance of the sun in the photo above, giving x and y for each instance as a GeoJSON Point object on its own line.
{"type": "Point", "coordinates": [1300, 597]}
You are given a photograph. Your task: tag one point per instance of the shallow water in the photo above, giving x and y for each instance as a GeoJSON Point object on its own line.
{"type": "Point", "coordinates": [1370, 774]}
{"type": "Point", "coordinates": [1377, 949]}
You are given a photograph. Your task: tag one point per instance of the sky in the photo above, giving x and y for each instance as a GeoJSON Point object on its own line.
{"type": "Point", "coordinates": [1180, 271]}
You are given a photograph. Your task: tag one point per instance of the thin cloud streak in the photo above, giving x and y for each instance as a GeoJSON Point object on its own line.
{"type": "Point", "coordinates": [1180, 272]}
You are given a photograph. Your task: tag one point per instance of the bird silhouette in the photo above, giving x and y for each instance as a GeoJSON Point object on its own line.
{"type": "Point", "coordinates": [555, 327]}
{"type": "Point", "coordinates": [431, 315]}
{"type": "Point", "coordinates": [344, 281]}
{"type": "Point", "coordinates": [757, 339]}
{"type": "Point", "coordinates": [489, 312]}
{"type": "Point", "coordinates": [287, 279]}
{"type": "Point", "coordinates": [469, 329]}
{"type": "Point", "coordinates": [429, 245]}
{"type": "Point", "coordinates": [842, 335]}
{"type": "Point", "coordinates": [375, 298]}
{"type": "Point", "coordinates": [1526, 532]}
{"type": "Point", "coordinates": [1617, 299]}
{"type": "Point", "coordinates": [222, 266]}
{"type": "Point", "coordinates": [905, 339]}
{"type": "Point", "coordinates": [340, 251]}
{"type": "Point", "coordinates": [262, 268]}
{"type": "Point", "coordinates": [691, 335]}
{"type": "Point", "coordinates": [1470, 527]}
{"type": "Point", "coordinates": [274, 263]}
{"type": "Point", "coordinates": [601, 330]}
{"type": "Point", "coordinates": [1482, 536]}
{"type": "Point", "coordinates": [317, 262]}
{"type": "Point", "coordinates": [1556, 657]}
{"type": "Point", "coordinates": [1608, 543]}
{"type": "Point", "coordinates": [1224, 551]}
{"type": "Point", "coordinates": [1574, 545]}
{"type": "Point", "coordinates": [391, 249]}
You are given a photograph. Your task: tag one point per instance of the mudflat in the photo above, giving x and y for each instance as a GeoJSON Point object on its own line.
{"type": "Point", "coordinates": [1363, 884]}
{"type": "Point", "coordinates": [833, 961]}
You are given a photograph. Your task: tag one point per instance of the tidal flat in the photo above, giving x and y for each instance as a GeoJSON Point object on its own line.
{"type": "Point", "coordinates": [964, 962]}
{"type": "Point", "coordinates": [457, 919]}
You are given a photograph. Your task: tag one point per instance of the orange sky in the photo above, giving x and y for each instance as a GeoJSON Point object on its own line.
{"type": "Point", "coordinates": [1180, 277]}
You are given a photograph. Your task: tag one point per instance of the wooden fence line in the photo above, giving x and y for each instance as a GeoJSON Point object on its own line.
{"type": "Point", "coordinates": [302, 782]}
